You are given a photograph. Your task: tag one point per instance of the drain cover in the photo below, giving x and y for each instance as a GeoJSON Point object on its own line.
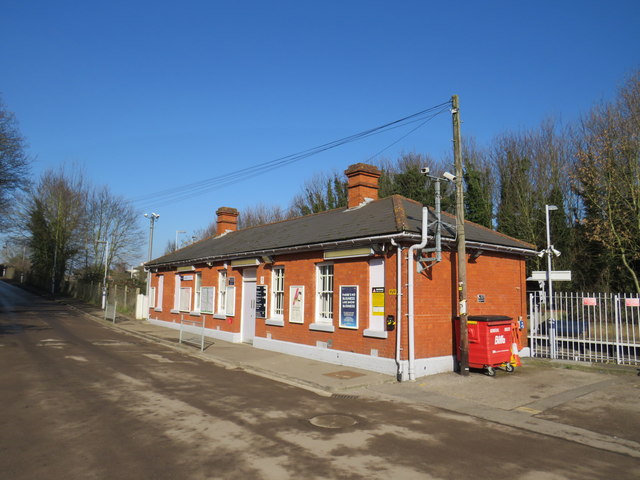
{"type": "Point", "coordinates": [333, 421]}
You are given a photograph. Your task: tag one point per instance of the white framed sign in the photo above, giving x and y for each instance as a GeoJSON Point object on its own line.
{"type": "Point", "coordinates": [349, 306]}
{"type": "Point", "coordinates": [296, 304]}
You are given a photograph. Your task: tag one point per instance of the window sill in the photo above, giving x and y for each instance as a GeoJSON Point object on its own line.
{"type": "Point", "coordinates": [374, 333]}
{"type": "Point", "coordinates": [274, 322]}
{"type": "Point", "coordinates": [157, 309]}
{"type": "Point", "coordinates": [194, 314]}
{"type": "Point", "coordinates": [219, 316]}
{"type": "Point", "coordinates": [322, 327]}
{"type": "Point", "coordinates": [174, 311]}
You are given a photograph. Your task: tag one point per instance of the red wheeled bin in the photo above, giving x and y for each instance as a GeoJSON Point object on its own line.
{"type": "Point", "coordinates": [489, 342]}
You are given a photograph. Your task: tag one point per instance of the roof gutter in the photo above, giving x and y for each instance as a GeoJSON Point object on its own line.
{"type": "Point", "coordinates": [294, 249]}
{"type": "Point", "coordinates": [497, 248]}
{"type": "Point", "coordinates": [319, 246]}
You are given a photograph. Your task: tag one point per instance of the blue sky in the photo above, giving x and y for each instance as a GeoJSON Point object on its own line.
{"type": "Point", "coordinates": [149, 95]}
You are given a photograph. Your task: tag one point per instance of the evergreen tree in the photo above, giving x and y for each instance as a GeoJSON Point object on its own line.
{"type": "Point", "coordinates": [479, 183]}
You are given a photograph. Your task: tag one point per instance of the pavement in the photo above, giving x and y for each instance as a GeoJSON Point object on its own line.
{"type": "Point", "coordinates": [594, 405]}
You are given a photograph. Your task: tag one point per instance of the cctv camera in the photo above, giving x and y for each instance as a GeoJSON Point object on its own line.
{"type": "Point", "coordinates": [449, 176]}
{"type": "Point", "coordinates": [424, 170]}
{"type": "Point", "coordinates": [541, 253]}
{"type": "Point", "coordinates": [555, 252]}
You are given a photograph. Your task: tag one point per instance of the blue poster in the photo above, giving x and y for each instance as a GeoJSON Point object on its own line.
{"type": "Point", "coordinates": [349, 306]}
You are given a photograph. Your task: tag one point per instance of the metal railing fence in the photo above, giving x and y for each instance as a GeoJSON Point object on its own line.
{"type": "Point", "coordinates": [590, 327]}
{"type": "Point", "coordinates": [192, 331]}
{"type": "Point", "coordinates": [123, 295]}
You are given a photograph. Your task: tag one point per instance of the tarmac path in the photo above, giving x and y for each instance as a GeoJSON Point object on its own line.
{"type": "Point", "coordinates": [84, 401]}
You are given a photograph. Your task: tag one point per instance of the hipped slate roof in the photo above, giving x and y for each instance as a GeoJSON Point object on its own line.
{"type": "Point", "coordinates": [394, 216]}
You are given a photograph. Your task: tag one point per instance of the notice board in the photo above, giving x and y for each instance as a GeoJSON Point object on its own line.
{"type": "Point", "coordinates": [349, 306]}
{"type": "Point", "coordinates": [261, 301]}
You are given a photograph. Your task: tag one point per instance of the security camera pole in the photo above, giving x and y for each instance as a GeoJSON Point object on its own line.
{"type": "Point", "coordinates": [462, 252]}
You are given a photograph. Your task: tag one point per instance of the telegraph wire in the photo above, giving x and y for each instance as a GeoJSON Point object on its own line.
{"type": "Point", "coordinates": [183, 192]}
{"type": "Point", "coordinates": [446, 108]}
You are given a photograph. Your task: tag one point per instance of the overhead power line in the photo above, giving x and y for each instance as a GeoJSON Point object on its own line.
{"type": "Point", "coordinates": [183, 192]}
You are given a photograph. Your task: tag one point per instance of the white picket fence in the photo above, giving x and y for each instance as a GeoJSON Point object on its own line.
{"type": "Point", "coordinates": [590, 327]}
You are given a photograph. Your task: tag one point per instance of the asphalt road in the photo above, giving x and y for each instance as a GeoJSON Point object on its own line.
{"type": "Point", "coordinates": [83, 401]}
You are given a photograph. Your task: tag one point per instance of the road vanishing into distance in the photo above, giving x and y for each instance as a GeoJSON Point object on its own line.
{"type": "Point", "coordinates": [83, 400]}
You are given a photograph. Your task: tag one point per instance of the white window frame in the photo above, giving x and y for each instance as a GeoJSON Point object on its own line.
{"type": "Point", "coordinates": [277, 293]}
{"type": "Point", "coordinates": [185, 299]}
{"type": "Point", "coordinates": [230, 307]}
{"type": "Point", "coordinates": [152, 297]}
{"type": "Point", "coordinates": [222, 292]}
{"type": "Point", "coordinates": [197, 293]}
{"type": "Point", "coordinates": [208, 293]}
{"type": "Point", "coordinates": [160, 294]}
{"type": "Point", "coordinates": [325, 291]}
{"type": "Point", "coordinates": [176, 293]}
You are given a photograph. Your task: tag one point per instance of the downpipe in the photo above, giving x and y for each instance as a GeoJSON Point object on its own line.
{"type": "Point", "coordinates": [410, 289]}
{"type": "Point", "coordinates": [399, 364]}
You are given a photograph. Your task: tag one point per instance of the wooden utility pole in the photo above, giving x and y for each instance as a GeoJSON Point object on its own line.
{"type": "Point", "coordinates": [462, 251]}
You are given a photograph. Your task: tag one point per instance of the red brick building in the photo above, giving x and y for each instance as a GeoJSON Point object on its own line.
{"type": "Point", "coordinates": [330, 286]}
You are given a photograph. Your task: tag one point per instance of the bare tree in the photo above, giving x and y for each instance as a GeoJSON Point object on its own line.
{"type": "Point", "coordinates": [403, 176]}
{"type": "Point", "coordinates": [14, 163]}
{"type": "Point", "coordinates": [54, 215]}
{"type": "Point", "coordinates": [112, 219]}
{"type": "Point", "coordinates": [67, 224]}
{"type": "Point", "coordinates": [259, 214]}
{"type": "Point", "coordinates": [607, 177]}
{"type": "Point", "coordinates": [324, 191]}
{"type": "Point", "coordinates": [262, 214]}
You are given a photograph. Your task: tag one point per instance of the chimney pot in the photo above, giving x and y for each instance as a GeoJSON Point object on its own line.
{"type": "Point", "coordinates": [362, 183]}
{"type": "Point", "coordinates": [227, 220]}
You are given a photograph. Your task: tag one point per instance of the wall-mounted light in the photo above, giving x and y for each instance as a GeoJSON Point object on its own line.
{"type": "Point", "coordinates": [475, 254]}
{"type": "Point", "coordinates": [377, 248]}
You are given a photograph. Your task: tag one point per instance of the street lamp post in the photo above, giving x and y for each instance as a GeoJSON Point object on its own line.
{"type": "Point", "coordinates": [550, 251]}
{"type": "Point", "coordinates": [177, 232]}
{"type": "Point", "coordinates": [22, 269]}
{"type": "Point", "coordinates": [106, 265]}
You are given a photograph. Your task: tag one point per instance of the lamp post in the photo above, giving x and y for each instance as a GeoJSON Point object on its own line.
{"type": "Point", "coordinates": [152, 220]}
{"type": "Point", "coordinates": [23, 268]}
{"type": "Point", "coordinates": [176, 245]}
{"type": "Point", "coordinates": [550, 251]}
{"type": "Point", "coordinates": [106, 265]}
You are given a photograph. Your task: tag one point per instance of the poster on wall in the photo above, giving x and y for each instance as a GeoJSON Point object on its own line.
{"type": "Point", "coordinates": [349, 306]}
{"type": "Point", "coordinates": [296, 304]}
{"type": "Point", "coordinates": [261, 301]}
{"type": "Point", "coordinates": [377, 301]}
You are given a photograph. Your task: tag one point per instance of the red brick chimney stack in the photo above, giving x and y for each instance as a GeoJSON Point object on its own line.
{"type": "Point", "coordinates": [363, 183]}
{"type": "Point", "coordinates": [227, 220]}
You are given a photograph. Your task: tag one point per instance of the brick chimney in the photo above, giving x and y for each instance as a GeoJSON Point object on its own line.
{"type": "Point", "coordinates": [227, 220]}
{"type": "Point", "coordinates": [363, 183]}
